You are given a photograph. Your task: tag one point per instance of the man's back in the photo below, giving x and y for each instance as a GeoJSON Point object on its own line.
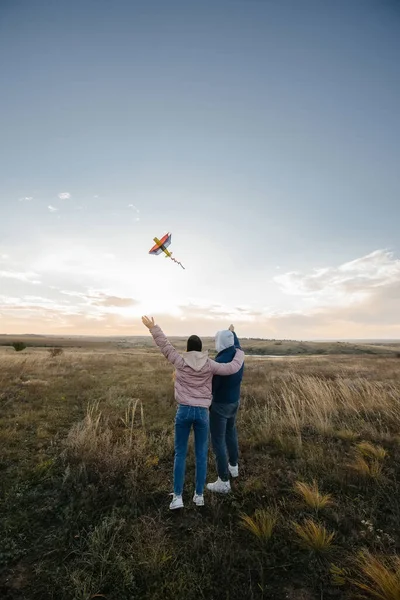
{"type": "Point", "coordinates": [227, 389]}
{"type": "Point", "coordinates": [223, 413]}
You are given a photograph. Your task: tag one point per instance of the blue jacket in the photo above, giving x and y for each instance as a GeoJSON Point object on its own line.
{"type": "Point", "coordinates": [227, 389]}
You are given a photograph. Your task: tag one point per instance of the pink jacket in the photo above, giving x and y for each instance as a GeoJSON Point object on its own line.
{"type": "Point", "coordinates": [194, 371]}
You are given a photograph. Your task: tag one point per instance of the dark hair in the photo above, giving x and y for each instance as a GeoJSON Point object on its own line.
{"type": "Point", "coordinates": [194, 343]}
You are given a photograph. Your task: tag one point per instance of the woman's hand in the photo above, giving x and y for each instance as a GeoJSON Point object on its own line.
{"type": "Point", "coordinates": [149, 323]}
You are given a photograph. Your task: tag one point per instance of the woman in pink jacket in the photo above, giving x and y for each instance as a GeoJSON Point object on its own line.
{"type": "Point", "coordinates": [193, 393]}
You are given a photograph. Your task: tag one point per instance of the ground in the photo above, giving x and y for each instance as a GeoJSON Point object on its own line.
{"type": "Point", "coordinates": [251, 346]}
{"type": "Point", "coordinates": [86, 454]}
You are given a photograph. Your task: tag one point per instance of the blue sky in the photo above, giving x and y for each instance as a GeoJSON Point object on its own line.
{"type": "Point", "coordinates": [264, 135]}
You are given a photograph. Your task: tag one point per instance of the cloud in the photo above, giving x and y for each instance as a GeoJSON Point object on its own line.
{"type": "Point", "coordinates": [35, 317]}
{"type": "Point", "coordinates": [346, 284]}
{"type": "Point", "coordinates": [27, 277]}
{"type": "Point", "coordinates": [216, 313]}
{"type": "Point", "coordinates": [35, 303]}
{"type": "Point", "coordinates": [38, 314]}
{"type": "Point", "coordinates": [356, 299]}
{"type": "Point", "coordinates": [26, 199]}
{"type": "Point", "coordinates": [112, 301]}
{"type": "Point", "coordinates": [73, 294]}
{"type": "Point", "coordinates": [94, 298]}
{"type": "Point", "coordinates": [52, 208]}
{"type": "Point", "coordinates": [64, 195]}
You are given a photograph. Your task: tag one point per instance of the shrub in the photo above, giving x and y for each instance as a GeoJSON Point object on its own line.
{"type": "Point", "coordinates": [55, 352]}
{"type": "Point", "coordinates": [19, 346]}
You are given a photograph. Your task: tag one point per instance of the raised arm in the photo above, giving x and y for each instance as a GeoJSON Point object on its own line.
{"type": "Point", "coordinates": [228, 368]}
{"type": "Point", "coordinates": [235, 337]}
{"type": "Point", "coordinates": [163, 343]}
{"type": "Point", "coordinates": [237, 343]}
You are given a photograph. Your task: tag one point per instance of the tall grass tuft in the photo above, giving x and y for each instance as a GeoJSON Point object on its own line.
{"type": "Point", "coordinates": [339, 575]}
{"type": "Point", "coordinates": [347, 435]}
{"type": "Point", "coordinates": [378, 578]}
{"type": "Point", "coordinates": [367, 469]}
{"type": "Point", "coordinates": [129, 419]}
{"type": "Point", "coordinates": [92, 450]}
{"type": "Point", "coordinates": [312, 496]}
{"type": "Point", "coordinates": [314, 536]}
{"type": "Point", "coordinates": [371, 451]}
{"type": "Point", "coordinates": [261, 524]}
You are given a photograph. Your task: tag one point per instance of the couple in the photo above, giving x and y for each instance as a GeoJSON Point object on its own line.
{"type": "Point", "coordinates": [198, 381]}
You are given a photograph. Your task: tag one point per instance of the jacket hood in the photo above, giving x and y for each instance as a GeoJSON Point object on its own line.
{"type": "Point", "coordinates": [223, 340]}
{"type": "Point", "coordinates": [195, 360]}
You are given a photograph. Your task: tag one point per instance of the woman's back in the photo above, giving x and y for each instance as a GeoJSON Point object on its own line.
{"type": "Point", "coordinates": [194, 371]}
{"type": "Point", "coordinates": [193, 381]}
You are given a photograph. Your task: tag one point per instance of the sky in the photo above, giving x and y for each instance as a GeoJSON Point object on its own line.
{"type": "Point", "coordinates": [264, 134]}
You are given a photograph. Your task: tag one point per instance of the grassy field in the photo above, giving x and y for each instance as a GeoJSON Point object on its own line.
{"type": "Point", "coordinates": [251, 346]}
{"type": "Point", "coordinates": [86, 454]}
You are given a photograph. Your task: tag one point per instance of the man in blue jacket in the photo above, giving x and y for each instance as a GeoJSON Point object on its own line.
{"type": "Point", "coordinates": [223, 412]}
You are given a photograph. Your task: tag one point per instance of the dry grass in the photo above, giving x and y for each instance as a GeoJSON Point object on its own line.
{"type": "Point", "coordinates": [312, 496]}
{"type": "Point", "coordinates": [93, 450]}
{"type": "Point", "coordinates": [54, 352]}
{"type": "Point", "coordinates": [368, 469]}
{"type": "Point", "coordinates": [368, 461]}
{"type": "Point", "coordinates": [339, 575]}
{"type": "Point", "coordinates": [86, 456]}
{"type": "Point", "coordinates": [347, 435]}
{"type": "Point", "coordinates": [379, 578]}
{"type": "Point", "coordinates": [371, 451]}
{"type": "Point", "coordinates": [295, 401]}
{"type": "Point", "coordinates": [314, 536]}
{"type": "Point", "coordinates": [261, 524]}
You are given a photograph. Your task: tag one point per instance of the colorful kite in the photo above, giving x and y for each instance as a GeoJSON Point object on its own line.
{"type": "Point", "coordinates": [162, 245]}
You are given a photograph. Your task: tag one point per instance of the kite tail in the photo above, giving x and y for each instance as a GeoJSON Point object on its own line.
{"type": "Point", "coordinates": [177, 262]}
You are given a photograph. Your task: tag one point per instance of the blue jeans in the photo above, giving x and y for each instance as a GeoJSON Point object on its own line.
{"type": "Point", "coordinates": [224, 436]}
{"type": "Point", "coordinates": [186, 416]}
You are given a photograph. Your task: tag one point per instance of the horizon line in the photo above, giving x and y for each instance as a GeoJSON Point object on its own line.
{"type": "Point", "coordinates": [244, 337]}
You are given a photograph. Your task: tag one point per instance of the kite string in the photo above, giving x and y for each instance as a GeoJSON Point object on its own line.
{"type": "Point", "coordinates": [177, 261]}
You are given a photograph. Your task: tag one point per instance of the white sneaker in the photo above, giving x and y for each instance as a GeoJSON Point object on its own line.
{"type": "Point", "coordinates": [234, 471]}
{"type": "Point", "coordinates": [219, 486]}
{"type": "Point", "coordinates": [198, 499]}
{"type": "Point", "coordinates": [177, 502]}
